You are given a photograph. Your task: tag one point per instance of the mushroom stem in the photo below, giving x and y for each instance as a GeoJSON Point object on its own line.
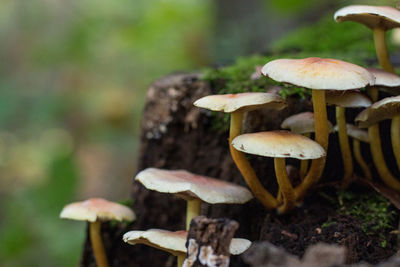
{"type": "Point", "coordinates": [379, 160]}
{"type": "Point", "coordinates": [344, 146]}
{"type": "Point", "coordinates": [395, 134]}
{"type": "Point", "coordinates": [373, 92]}
{"type": "Point", "coordinates": [97, 244]}
{"type": "Point", "coordinates": [381, 49]}
{"type": "Point", "coordinates": [304, 163]}
{"type": "Point", "coordinates": [285, 186]}
{"type": "Point", "coordinates": [192, 210]}
{"type": "Point", "coordinates": [360, 160]}
{"type": "Point", "coordinates": [322, 138]}
{"type": "Point", "coordinates": [248, 173]}
{"type": "Point", "coordinates": [180, 259]}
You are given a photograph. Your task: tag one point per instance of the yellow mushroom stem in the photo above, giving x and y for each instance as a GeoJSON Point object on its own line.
{"type": "Point", "coordinates": [373, 92]}
{"type": "Point", "coordinates": [381, 50]}
{"type": "Point", "coordinates": [285, 186]}
{"type": "Point", "coordinates": [248, 173]}
{"type": "Point", "coordinates": [379, 160]}
{"type": "Point", "coordinates": [97, 244]}
{"type": "Point", "coordinates": [180, 259]}
{"type": "Point", "coordinates": [395, 133]}
{"type": "Point", "coordinates": [360, 160]}
{"type": "Point", "coordinates": [304, 163]}
{"type": "Point", "coordinates": [347, 159]}
{"type": "Point", "coordinates": [193, 207]}
{"type": "Point", "coordinates": [322, 138]}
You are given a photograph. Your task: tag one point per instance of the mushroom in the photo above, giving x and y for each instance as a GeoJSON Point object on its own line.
{"type": "Point", "coordinates": [193, 188]}
{"type": "Point", "coordinates": [379, 19]}
{"type": "Point", "coordinates": [384, 81]}
{"type": "Point", "coordinates": [318, 74]}
{"type": "Point", "coordinates": [343, 100]}
{"type": "Point", "coordinates": [302, 123]}
{"type": "Point", "coordinates": [236, 105]}
{"type": "Point", "coordinates": [95, 211]}
{"type": "Point", "coordinates": [280, 145]}
{"type": "Point", "coordinates": [386, 108]}
{"type": "Point", "coordinates": [389, 81]}
{"type": "Point", "coordinates": [174, 242]}
{"type": "Point", "coordinates": [359, 135]}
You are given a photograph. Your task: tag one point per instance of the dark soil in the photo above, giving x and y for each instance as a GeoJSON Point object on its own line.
{"type": "Point", "coordinates": [176, 135]}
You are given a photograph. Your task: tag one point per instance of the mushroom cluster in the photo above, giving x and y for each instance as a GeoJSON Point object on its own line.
{"type": "Point", "coordinates": [333, 82]}
{"type": "Point", "coordinates": [306, 137]}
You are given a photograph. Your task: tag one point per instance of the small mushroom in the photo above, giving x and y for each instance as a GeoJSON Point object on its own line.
{"type": "Point", "coordinates": [280, 145]}
{"type": "Point", "coordinates": [379, 19]}
{"type": "Point", "coordinates": [358, 136]}
{"type": "Point", "coordinates": [318, 74]}
{"type": "Point", "coordinates": [384, 81]}
{"type": "Point", "coordinates": [343, 100]}
{"type": "Point", "coordinates": [193, 188]}
{"type": "Point", "coordinates": [174, 242]}
{"type": "Point", "coordinates": [236, 105]}
{"type": "Point", "coordinates": [95, 211]}
{"type": "Point", "coordinates": [387, 108]}
{"type": "Point", "coordinates": [302, 123]}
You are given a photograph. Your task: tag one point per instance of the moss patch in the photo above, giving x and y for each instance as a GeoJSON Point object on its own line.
{"type": "Point", "coordinates": [373, 211]}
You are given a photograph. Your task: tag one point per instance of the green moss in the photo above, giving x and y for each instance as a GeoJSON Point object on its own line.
{"type": "Point", "coordinates": [372, 210]}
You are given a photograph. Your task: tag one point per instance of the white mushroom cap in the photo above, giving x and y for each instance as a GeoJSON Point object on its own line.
{"type": "Point", "coordinates": [242, 102]}
{"type": "Point", "coordinates": [348, 99]}
{"type": "Point", "coordinates": [188, 185]}
{"type": "Point", "coordinates": [384, 109]}
{"type": "Point", "coordinates": [385, 78]}
{"type": "Point", "coordinates": [319, 73]}
{"type": "Point", "coordinates": [302, 123]}
{"type": "Point", "coordinates": [371, 16]}
{"type": "Point", "coordinates": [97, 209]}
{"type": "Point", "coordinates": [278, 144]}
{"type": "Point", "coordinates": [356, 133]}
{"type": "Point", "coordinates": [174, 242]}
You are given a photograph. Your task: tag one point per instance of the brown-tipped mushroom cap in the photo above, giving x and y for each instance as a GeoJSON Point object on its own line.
{"type": "Point", "coordinates": [278, 144]}
{"type": "Point", "coordinates": [347, 99]}
{"type": "Point", "coordinates": [302, 123]}
{"type": "Point", "coordinates": [384, 109]}
{"type": "Point", "coordinates": [319, 73]}
{"type": "Point", "coordinates": [371, 16]}
{"type": "Point", "coordinates": [188, 185]}
{"type": "Point", "coordinates": [174, 242]}
{"type": "Point", "coordinates": [97, 209]}
{"type": "Point", "coordinates": [243, 102]}
{"type": "Point", "coordinates": [356, 133]}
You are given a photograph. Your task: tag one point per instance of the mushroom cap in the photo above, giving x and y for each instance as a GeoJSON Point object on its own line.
{"type": "Point", "coordinates": [385, 78]}
{"type": "Point", "coordinates": [189, 186]}
{"type": "Point", "coordinates": [356, 133]}
{"type": "Point", "coordinates": [174, 242]}
{"type": "Point", "coordinates": [319, 73]}
{"type": "Point", "coordinates": [384, 109]}
{"type": "Point", "coordinates": [348, 99]}
{"type": "Point", "coordinates": [302, 123]}
{"type": "Point", "coordinates": [95, 209]}
{"type": "Point", "coordinates": [371, 16]}
{"type": "Point", "coordinates": [278, 144]}
{"type": "Point", "coordinates": [242, 102]}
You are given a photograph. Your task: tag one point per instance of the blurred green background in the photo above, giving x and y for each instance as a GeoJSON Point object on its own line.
{"type": "Point", "coordinates": [73, 77]}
